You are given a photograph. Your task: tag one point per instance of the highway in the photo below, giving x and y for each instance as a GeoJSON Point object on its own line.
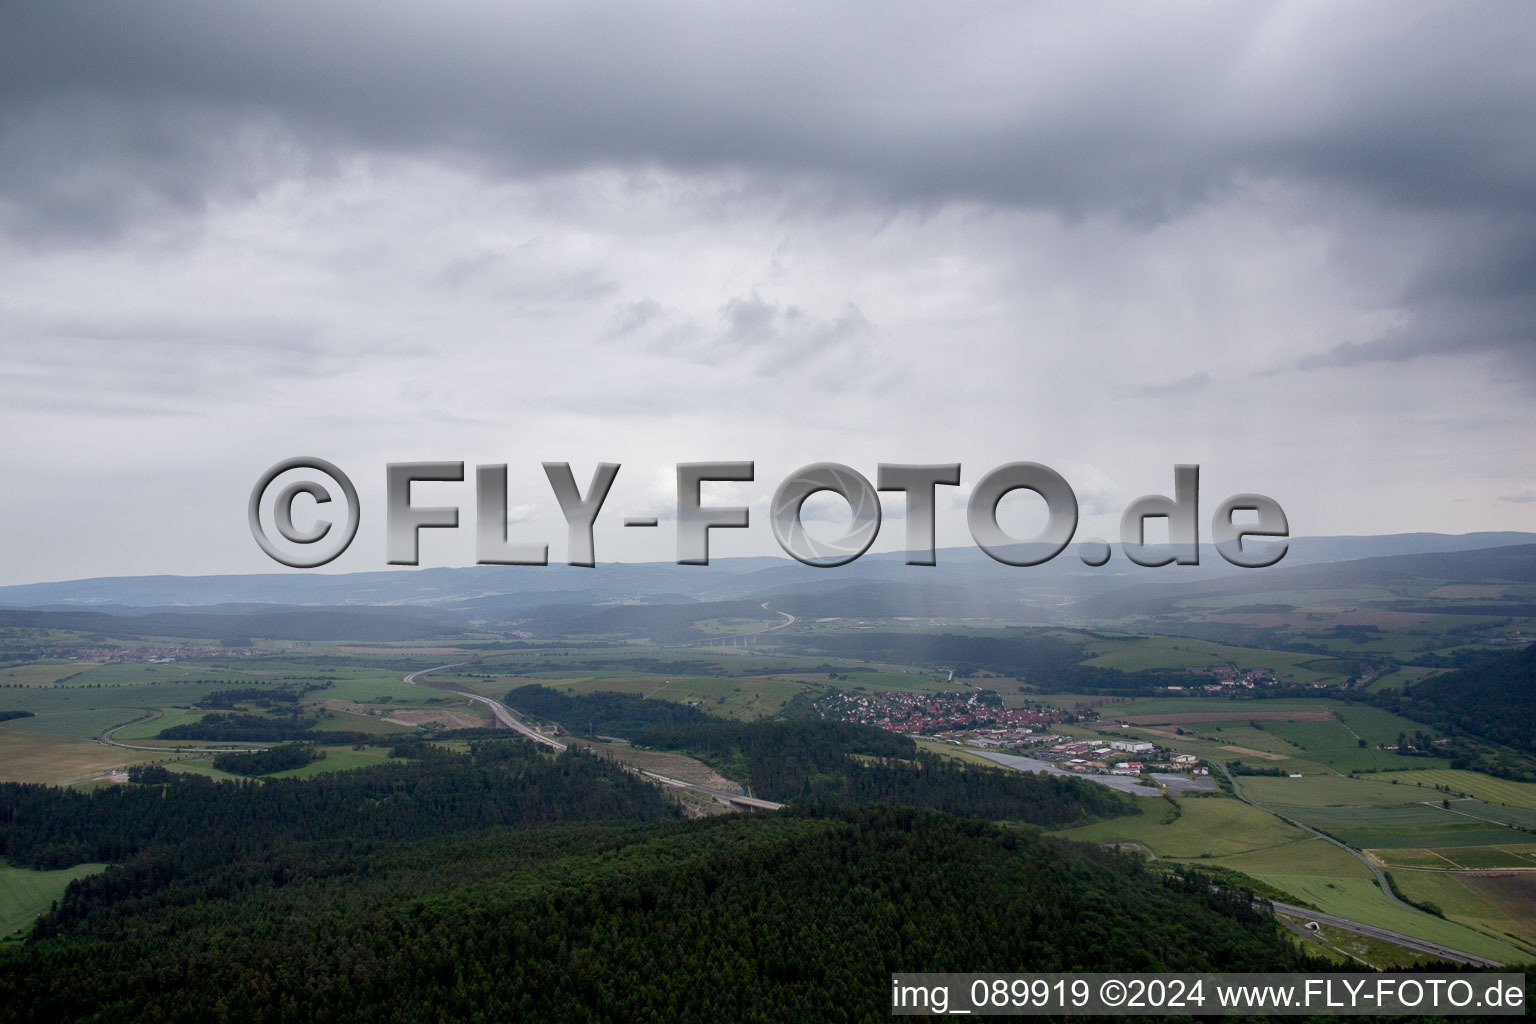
{"type": "Point", "coordinates": [505, 715]}
{"type": "Point", "coordinates": [713, 641]}
{"type": "Point", "coordinates": [740, 800]}
{"type": "Point", "coordinates": [508, 718]}
{"type": "Point", "coordinates": [1421, 945]}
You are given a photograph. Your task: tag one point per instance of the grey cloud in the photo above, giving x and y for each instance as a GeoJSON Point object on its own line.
{"type": "Point", "coordinates": [520, 276]}
{"type": "Point", "coordinates": [633, 317]}
{"type": "Point", "coordinates": [767, 338]}
{"type": "Point", "coordinates": [1066, 107]}
{"type": "Point", "coordinates": [1409, 114]}
{"type": "Point", "coordinates": [1183, 386]}
{"type": "Point", "coordinates": [1475, 293]}
{"type": "Point", "coordinates": [1414, 111]}
{"type": "Point", "coordinates": [787, 338]}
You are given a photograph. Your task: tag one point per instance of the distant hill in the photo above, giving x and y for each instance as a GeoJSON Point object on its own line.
{"type": "Point", "coordinates": [377, 625]}
{"type": "Point", "coordinates": [493, 591]}
{"type": "Point", "coordinates": [1402, 579]}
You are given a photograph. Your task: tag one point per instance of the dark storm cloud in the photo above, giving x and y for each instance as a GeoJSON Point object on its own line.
{"type": "Point", "coordinates": [114, 116]}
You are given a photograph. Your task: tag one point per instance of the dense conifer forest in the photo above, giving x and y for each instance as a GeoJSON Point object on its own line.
{"type": "Point", "coordinates": [603, 713]}
{"type": "Point", "coordinates": [846, 763]}
{"type": "Point", "coordinates": [796, 915]}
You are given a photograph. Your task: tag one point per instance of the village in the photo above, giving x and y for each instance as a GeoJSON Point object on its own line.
{"type": "Point", "coordinates": [948, 715]}
{"type": "Point", "coordinates": [971, 719]}
{"type": "Point", "coordinates": [1226, 679]}
{"type": "Point", "coordinates": [142, 655]}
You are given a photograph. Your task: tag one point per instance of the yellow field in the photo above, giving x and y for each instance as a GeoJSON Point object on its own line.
{"type": "Point", "coordinates": [57, 760]}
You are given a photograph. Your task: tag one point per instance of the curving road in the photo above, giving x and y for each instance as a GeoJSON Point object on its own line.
{"type": "Point", "coordinates": [1422, 945]}
{"type": "Point", "coordinates": [503, 714]}
{"type": "Point", "coordinates": [789, 620]}
{"type": "Point", "coordinates": [154, 713]}
{"type": "Point", "coordinates": [1381, 879]}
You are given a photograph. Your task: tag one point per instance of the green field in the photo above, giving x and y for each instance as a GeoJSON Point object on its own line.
{"type": "Point", "coordinates": [337, 759]}
{"type": "Point", "coordinates": [1336, 745]}
{"type": "Point", "coordinates": [25, 893]}
{"type": "Point", "coordinates": [42, 673]}
{"type": "Point", "coordinates": [1227, 833]}
{"type": "Point", "coordinates": [1332, 791]}
{"type": "Point", "coordinates": [1237, 709]}
{"type": "Point", "coordinates": [1139, 653]}
{"type": "Point", "coordinates": [1405, 675]}
{"type": "Point", "coordinates": [1212, 744]}
{"type": "Point", "coordinates": [1457, 900]}
{"type": "Point", "coordinates": [1207, 827]}
{"type": "Point", "coordinates": [150, 727]}
{"type": "Point", "coordinates": [1482, 787]}
{"type": "Point", "coordinates": [1361, 899]}
{"type": "Point", "coordinates": [1396, 821]}
{"type": "Point", "coordinates": [1308, 856]}
{"type": "Point", "coordinates": [1410, 825]}
{"type": "Point", "coordinates": [1311, 747]}
{"type": "Point", "coordinates": [373, 725]}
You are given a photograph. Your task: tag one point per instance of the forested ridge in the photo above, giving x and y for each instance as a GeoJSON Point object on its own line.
{"type": "Point", "coordinates": [266, 762]}
{"type": "Point", "coordinates": [1494, 699]}
{"type": "Point", "coordinates": [784, 917]}
{"type": "Point", "coordinates": [235, 727]}
{"type": "Point", "coordinates": [604, 713]}
{"type": "Point", "coordinates": [194, 820]}
{"type": "Point", "coordinates": [845, 763]}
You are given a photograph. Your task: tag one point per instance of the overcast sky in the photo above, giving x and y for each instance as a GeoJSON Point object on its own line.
{"type": "Point", "coordinates": [1295, 244]}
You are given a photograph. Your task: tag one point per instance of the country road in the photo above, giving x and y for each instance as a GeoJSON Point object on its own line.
{"type": "Point", "coordinates": [506, 716]}
{"type": "Point", "coordinates": [1422, 945]}
{"type": "Point", "coordinates": [1381, 879]}
{"type": "Point", "coordinates": [510, 719]}
{"type": "Point", "coordinates": [154, 713]}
